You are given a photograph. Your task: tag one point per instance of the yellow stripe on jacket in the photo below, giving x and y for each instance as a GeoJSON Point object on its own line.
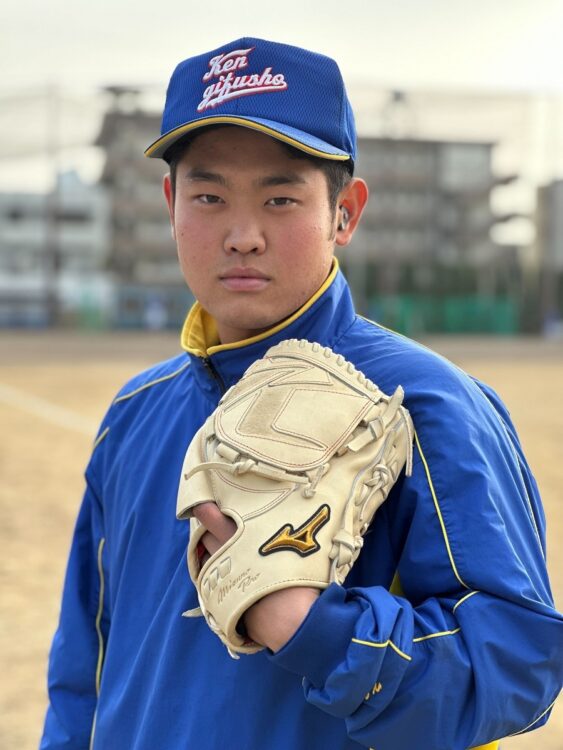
{"type": "Point", "coordinates": [397, 589]}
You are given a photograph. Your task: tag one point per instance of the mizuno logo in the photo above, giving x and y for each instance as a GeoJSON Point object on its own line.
{"type": "Point", "coordinates": [301, 540]}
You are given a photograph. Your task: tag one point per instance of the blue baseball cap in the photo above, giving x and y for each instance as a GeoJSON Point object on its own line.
{"type": "Point", "coordinates": [288, 93]}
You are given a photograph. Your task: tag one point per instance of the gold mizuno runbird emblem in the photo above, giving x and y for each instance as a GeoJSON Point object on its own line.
{"type": "Point", "coordinates": [301, 540]}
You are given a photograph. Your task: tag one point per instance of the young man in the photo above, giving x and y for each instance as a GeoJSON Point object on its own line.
{"type": "Point", "coordinates": [444, 636]}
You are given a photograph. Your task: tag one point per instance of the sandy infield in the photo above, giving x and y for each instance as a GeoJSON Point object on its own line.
{"type": "Point", "coordinates": [54, 389]}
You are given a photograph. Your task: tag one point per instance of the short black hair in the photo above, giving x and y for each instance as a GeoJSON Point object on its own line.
{"type": "Point", "coordinates": [338, 173]}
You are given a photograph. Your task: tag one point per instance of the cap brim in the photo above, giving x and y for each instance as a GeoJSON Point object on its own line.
{"type": "Point", "coordinates": [296, 138]}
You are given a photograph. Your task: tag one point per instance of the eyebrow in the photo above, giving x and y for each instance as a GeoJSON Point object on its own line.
{"type": "Point", "coordinates": [195, 174]}
{"type": "Point", "coordinates": [202, 175]}
{"type": "Point", "coordinates": [281, 179]}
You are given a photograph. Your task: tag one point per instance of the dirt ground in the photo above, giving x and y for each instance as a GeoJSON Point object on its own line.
{"type": "Point", "coordinates": [54, 389]}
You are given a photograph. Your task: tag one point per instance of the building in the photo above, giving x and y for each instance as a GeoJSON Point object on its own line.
{"type": "Point", "coordinates": [53, 252]}
{"type": "Point", "coordinates": [549, 244]}
{"type": "Point", "coordinates": [423, 258]}
{"type": "Point", "coordinates": [549, 225]}
{"type": "Point", "coordinates": [430, 201]}
{"type": "Point", "coordinates": [142, 249]}
{"type": "Point", "coordinates": [151, 290]}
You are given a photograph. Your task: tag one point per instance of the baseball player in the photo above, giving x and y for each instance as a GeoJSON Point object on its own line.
{"type": "Point", "coordinates": [443, 633]}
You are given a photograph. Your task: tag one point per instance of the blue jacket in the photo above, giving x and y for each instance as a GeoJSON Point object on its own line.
{"type": "Point", "coordinates": [444, 637]}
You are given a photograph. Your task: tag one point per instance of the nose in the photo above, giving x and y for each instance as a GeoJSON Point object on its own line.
{"type": "Point", "coordinates": [245, 237]}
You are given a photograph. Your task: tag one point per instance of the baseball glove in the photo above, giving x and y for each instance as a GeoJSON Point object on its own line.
{"type": "Point", "coordinates": [300, 453]}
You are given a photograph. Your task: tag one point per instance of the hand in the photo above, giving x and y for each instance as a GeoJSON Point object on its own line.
{"type": "Point", "coordinates": [219, 527]}
{"type": "Point", "coordinates": [273, 620]}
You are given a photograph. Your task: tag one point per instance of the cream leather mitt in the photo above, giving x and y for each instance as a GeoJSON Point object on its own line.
{"type": "Point", "coordinates": [300, 453]}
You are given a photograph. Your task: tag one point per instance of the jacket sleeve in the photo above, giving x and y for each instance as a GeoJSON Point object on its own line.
{"type": "Point", "coordinates": [77, 650]}
{"type": "Point", "coordinates": [472, 649]}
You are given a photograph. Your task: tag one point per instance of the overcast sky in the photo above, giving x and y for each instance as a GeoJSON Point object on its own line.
{"type": "Point", "coordinates": [484, 44]}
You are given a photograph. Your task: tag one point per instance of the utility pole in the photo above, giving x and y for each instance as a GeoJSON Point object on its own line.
{"type": "Point", "coordinates": [52, 249]}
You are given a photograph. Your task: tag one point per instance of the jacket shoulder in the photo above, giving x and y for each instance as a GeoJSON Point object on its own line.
{"type": "Point", "coordinates": [391, 359]}
{"type": "Point", "coordinates": [149, 382]}
{"type": "Point", "coordinates": [160, 373]}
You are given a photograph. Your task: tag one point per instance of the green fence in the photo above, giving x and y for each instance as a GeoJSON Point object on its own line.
{"type": "Point", "coordinates": [417, 314]}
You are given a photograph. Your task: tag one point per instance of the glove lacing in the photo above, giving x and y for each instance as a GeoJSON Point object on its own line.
{"type": "Point", "coordinates": [201, 611]}
{"type": "Point", "coordinates": [346, 545]}
{"type": "Point", "coordinates": [310, 479]}
{"type": "Point", "coordinates": [249, 464]}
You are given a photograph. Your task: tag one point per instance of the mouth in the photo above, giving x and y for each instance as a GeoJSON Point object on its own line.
{"type": "Point", "coordinates": [244, 279]}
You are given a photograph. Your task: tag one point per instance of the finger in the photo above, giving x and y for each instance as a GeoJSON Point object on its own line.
{"type": "Point", "coordinates": [221, 526]}
{"type": "Point", "coordinates": [211, 543]}
{"type": "Point", "coordinates": [208, 545]}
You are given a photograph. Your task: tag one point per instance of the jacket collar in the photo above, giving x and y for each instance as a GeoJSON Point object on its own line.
{"type": "Point", "coordinates": [323, 318]}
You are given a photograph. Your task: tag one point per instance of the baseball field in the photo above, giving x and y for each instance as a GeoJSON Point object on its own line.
{"type": "Point", "coordinates": [54, 389]}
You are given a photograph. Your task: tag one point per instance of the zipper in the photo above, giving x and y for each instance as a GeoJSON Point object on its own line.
{"type": "Point", "coordinates": [214, 374]}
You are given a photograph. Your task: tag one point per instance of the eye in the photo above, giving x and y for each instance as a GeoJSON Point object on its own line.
{"type": "Point", "coordinates": [281, 201]}
{"type": "Point", "coordinates": [207, 198]}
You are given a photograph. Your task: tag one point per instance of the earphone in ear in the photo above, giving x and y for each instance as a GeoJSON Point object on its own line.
{"type": "Point", "coordinates": [344, 219]}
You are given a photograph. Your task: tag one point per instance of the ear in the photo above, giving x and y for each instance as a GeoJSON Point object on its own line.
{"type": "Point", "coordinates": [168, 194]}
{"type": "Point", "coordinates": [351, 202]}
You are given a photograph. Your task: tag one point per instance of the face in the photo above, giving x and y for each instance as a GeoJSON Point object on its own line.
{"type": "Point", "coordinates": [253, 227]}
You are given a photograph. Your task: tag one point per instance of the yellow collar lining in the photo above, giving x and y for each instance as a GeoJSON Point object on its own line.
{"type": "Point", "coordinates": [200, 336]}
